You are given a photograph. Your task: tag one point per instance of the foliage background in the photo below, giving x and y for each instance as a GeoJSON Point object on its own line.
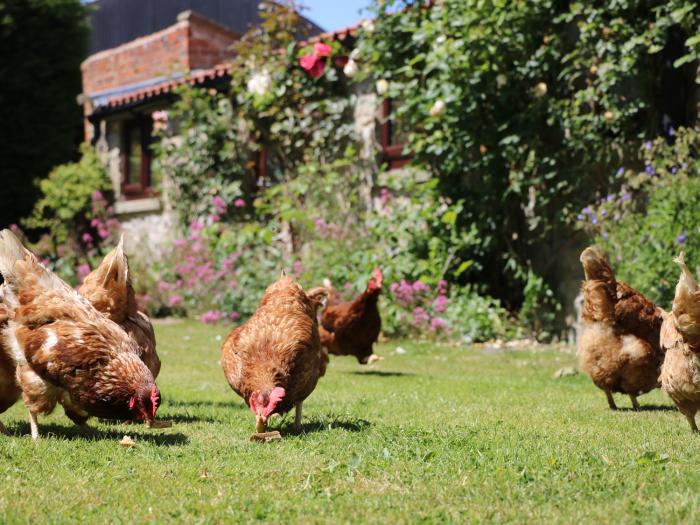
{"type": "Point", "coordinates": [42, 43]}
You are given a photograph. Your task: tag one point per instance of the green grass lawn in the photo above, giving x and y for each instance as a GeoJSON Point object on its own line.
{"type": "Point", "coordinates": [439, 434]}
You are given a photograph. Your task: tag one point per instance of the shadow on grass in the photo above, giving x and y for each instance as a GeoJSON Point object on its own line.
{"type": "Point", "coordinates": [355, 425]}
{"type": "Point", "coordinates": [235, 404]}
{"type": "Point", "coordinates": [648, 408]}
{"type": "Point", "coordinates": [71, 432]}
{"type": "Point", "coordinates": [380, 373]}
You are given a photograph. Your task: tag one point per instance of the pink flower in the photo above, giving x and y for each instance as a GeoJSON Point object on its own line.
{"type": "Point", "coordinates": [196, 226]}
{"type": "Point", "coordinates": [234, 316]}
{"type": "Point", "coordinates": [239, 203]}
{"type": "Point", "coordinates": [97, 196]}
{"type": "Point", "coordinates": [420, 316]}
{"type": "Point", "coordinates": [211, 317]}
{"type": "Point", "coordinates": [164, 286]}
{"type": "Point", "coordinates": [440, 303]}
{"type": "Point", "coordinates": [297, 267]}
{"type": "Point", "coordinates": [220, 204]}
{"type": "Point", "coordinates": [83, 271]}
{"type": "Point", "coordinates": [438, 323]}
{"type": "Point", "coordinates": [442, 287]}
{"type": "Point", "coordinates": [87, 238]}
{"type": "Point", "coordinates": [175, 301]}
{"type": "Point", "coordinates": [420, 287]}
{"type": "Point", "coordinates": [313, 65]}
{"type": "Point", "coordinates": [322, 50]}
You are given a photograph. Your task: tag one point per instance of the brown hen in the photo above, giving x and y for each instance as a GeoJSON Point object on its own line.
{"type": "Point", "coordinates": [619, 342]}
{"type": "Point", "coordinates": [66, 351]}
{"type": "Point", "coordinates": [680, 339]}
{"type": "Point", "coordinates": [352, 328]}
{"type": "Point", "coordinates": [275, 359]}
{"type": "Point", "coordinates": [109, 289]}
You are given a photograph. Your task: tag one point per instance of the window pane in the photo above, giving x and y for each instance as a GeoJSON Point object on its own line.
{"type": "Point", "coordinates": [134, 171]}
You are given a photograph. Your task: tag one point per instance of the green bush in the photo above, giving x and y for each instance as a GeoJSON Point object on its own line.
{"type": "Point", "coordinates": [653, 216]}
{"type": "Point", "coordinates": [43, 43]}
{"type": "Point", "coordinates": [65, 205]}
{"type": "Point", "coordinates": [525, 109]}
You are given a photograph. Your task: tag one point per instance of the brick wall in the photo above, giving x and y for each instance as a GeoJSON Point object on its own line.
{"type": "Point", "coordinates": [194, 42]}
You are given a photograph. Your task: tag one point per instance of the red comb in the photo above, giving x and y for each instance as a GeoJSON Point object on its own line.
{"type": "Point", "coordinates": [155, 400]}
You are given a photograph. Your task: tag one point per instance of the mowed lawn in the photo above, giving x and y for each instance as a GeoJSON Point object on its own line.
{"type": "Point", "coordinates": [438, 434]}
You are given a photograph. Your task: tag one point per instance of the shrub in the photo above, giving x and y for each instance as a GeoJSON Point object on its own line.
{"type": "Point", "coordinates": [653, 215]}
{"type": "Point", "coordinates": [525, 109]}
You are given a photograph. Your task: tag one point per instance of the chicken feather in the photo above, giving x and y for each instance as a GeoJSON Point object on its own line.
{"type": "Point", "coordinates": [65, 351]}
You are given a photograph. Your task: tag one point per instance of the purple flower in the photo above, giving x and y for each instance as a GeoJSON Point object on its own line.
{"type": "Point", "coordinates": [594, 220]}
{"type": "Point", "coordinates": [647, 145]}
{"type": "Point", "coordinates": [627, 196]}
{"type": "Point", "coordinates": [580, 217]}
{"type": "Point", "coordinates": [671, 131]}
{"type": "Point", "coordinates": [620, 171]}
{"type": "Point", "coordinates": [674, 169]}
{"type": "Point", "coordinates": [239, 203]}
{"type": "Point", "coordinates": [603, 212]}
{"type": "Point", "coordinates": [609, 197]}
{"type": "Point", "coordinates": [211, 317]}
{"type": "Point", "coordinates": [681, 238]}
{"type": "Point", "coordinates": [605, 235]}
{"type": "Point", "coordinates": [174, 301]}
{"type": "Point", "coordinates": [651, 170]}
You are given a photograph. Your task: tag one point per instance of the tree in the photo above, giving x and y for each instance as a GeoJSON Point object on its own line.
{"type": "Point", "coordinates": [43, 43]}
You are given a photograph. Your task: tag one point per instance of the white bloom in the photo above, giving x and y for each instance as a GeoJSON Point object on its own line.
{"type": "Point", "coordinates": [350, 68]}
{"type": "Point", "coordinates": [438, 108]}
{"type": "Point", "coordinates": [501, 80]}
{"type": "Point", "coordinates": [382, 86]}
{"type": "Point", "coordinates": [260, 83]}
{"type": "Point", "coordinates": [440, 40]}
{"type": "Point", "coordinates": [368, 25]}
{"type": "Point", "coordinates": [355, 54]}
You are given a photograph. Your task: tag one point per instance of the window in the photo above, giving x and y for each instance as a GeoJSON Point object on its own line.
{"type": "Point", "coordinates": [393, 139]}
{"type": "Point", "coordinates": [137, 180]}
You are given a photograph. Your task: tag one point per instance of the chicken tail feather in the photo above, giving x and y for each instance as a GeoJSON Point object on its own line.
{"type": "Point", "coordinates": [686, 304]}
{"type": "Point", "coordinates": [17, 263]}
{"type": "Point", "coordinates": [599, 289]}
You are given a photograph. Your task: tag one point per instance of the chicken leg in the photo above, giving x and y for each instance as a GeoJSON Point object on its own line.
{"type": "Point", "coordinates": [611, 401]}
{"type": "Point", "coordinates": [34, 425]}
{"type": "Point", "coordinates": [635, 404]}
{"type": "Point", "coordinates": [691, 420]}
{"type": "Point", "coordinates": [297, 416]}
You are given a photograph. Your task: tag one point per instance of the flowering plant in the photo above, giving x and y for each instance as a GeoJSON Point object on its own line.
{"type": "Point", "coordinates": [652, 216]}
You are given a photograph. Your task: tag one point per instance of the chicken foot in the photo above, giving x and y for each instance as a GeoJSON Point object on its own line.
{"type": "Point", "coordinates": [611, 401]}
